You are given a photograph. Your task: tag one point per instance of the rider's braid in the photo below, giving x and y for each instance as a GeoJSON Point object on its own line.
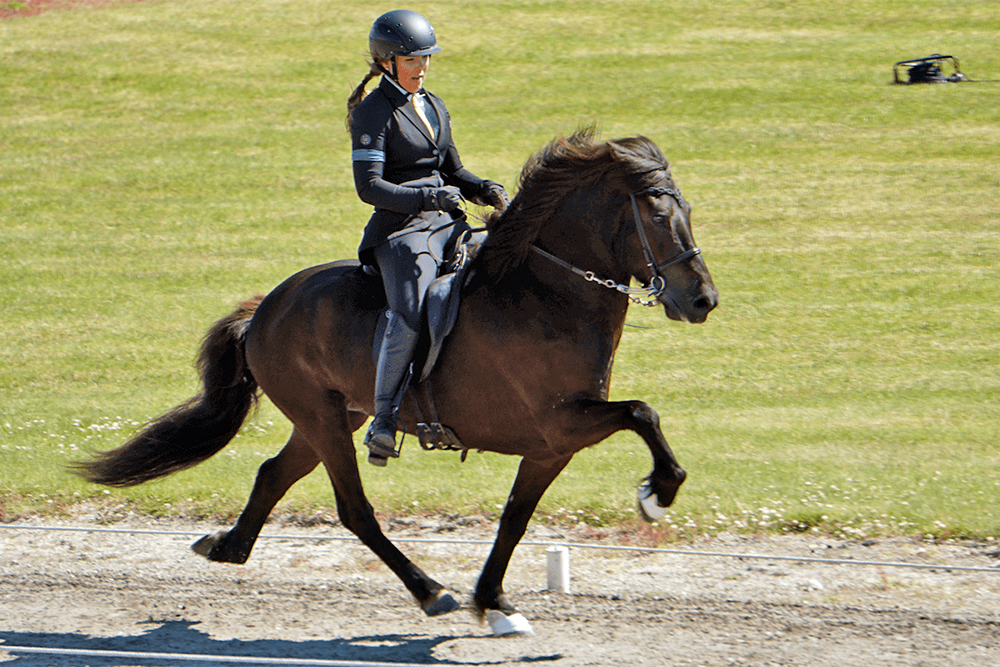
{"type": "Point", "coordinates": [359, 92]}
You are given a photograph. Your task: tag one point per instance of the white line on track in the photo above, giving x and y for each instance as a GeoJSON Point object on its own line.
{"type": "Point", "coordinates": [573, 545]}
{"type": "Point", "coordinates": [193, 657]}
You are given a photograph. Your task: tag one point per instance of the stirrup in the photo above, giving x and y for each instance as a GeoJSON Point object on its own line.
{"type": "Point", "coordinates": [381, 446]}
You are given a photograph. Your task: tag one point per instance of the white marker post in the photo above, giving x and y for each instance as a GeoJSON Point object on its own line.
{"type": "Point", "coordinates": [557, 569]}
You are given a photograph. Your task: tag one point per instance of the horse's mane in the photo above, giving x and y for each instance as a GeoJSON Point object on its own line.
{"type": "Point", "coordinates": [564, 166]}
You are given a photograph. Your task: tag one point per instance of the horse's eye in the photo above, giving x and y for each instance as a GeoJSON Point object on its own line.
{"type": "Point", "coordinates": [660, 219]}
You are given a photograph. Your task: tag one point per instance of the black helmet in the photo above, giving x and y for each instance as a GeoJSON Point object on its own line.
{"type": "Point", "coordinates": [401, 33]}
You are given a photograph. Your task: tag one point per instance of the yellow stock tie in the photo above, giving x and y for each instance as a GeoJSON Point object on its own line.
{"type": "Point", "coordinates": [418, 103]}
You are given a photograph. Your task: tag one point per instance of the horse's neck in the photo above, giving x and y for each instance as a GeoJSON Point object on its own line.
{"type": "Point", "coordinates": [563, 293]}
{"type": "Point", "coordinates": [583, 240]}
{"type": "Point", "coordinates": [581, 232]}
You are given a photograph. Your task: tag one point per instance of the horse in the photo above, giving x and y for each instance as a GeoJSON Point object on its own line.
{"type": "Point", "coordinates": [525, 371]}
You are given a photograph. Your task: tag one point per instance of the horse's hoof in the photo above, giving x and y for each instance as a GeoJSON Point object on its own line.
{"type": "Point", "coordinates": [443, 603]}
{"type": "Point", "coordinates": [204, 546]}
{"type": "Point", "coordinates": [216, 549]}
{"type": "Point", "coordinates": [649, 504]}
{"type": "Point", "coordinates": [508, 626]}
{"type": "Point", "coordinates": [377, 461]}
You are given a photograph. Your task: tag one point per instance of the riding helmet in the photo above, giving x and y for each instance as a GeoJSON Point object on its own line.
{"type": "Point", "coordinates": [401, 33]}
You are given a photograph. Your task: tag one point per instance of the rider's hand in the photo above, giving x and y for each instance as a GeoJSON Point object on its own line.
{"type": "Point", "coordinates": [447, 198]}
{"type": "Point", "coordinates": [494, 195]}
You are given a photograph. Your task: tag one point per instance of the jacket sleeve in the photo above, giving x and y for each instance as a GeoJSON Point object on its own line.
{"type": "Point", "coordinates": [368, 140]}
{"type": "Point", "coordinates": [455, 174]}
{"type": "Point", "coordinates": [380, 193]}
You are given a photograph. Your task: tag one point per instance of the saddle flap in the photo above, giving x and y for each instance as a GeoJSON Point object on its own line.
{"type": "Point", "coordinates": [443, 299]}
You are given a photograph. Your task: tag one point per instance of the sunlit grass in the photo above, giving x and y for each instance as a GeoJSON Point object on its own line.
{"type": "Point", "coordinates": [161, 161]}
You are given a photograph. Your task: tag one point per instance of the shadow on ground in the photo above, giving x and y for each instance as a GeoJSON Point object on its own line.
{"type": "Point", "coordinates": [183, 638]}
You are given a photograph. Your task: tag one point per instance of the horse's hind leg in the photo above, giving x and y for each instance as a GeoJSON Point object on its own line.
{"type": "Point", "coordinates": [275, 476]}
{"type": "Point", "coordinates": [335, 447]}
{"type": "Point", "coordinates": [434, 599]}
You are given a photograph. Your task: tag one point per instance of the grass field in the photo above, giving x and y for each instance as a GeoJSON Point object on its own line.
{"type": "Point", "coordinates": [162, 160]}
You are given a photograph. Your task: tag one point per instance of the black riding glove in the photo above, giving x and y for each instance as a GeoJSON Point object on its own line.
{"type": "Point", "coordinates": [494, 195]}
{"type": "Point", "coordinates": [447, 198]}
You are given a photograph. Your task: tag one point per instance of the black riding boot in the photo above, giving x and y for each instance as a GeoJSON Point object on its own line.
{"type": "Point", "coordinates": [394, 358]}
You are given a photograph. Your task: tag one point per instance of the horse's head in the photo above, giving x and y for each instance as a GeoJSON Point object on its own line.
{"type": "Point", "coordinates": [659, 249]}
{"type": "Point", "coordinates": [608, 212]}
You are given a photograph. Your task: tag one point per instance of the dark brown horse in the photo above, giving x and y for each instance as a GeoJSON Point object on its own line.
{"type": "Point", "coordinates": [526, 370]}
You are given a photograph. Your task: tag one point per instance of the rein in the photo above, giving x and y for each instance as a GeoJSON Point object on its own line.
{"type": "Point", "coordinates": [633, 293]}
{"type": "Point", "coordinates": [657, 285]}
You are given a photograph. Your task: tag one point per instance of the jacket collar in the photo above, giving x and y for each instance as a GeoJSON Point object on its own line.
{"type": "Point", "coordinates": [399, 99]}
{"type": "Point", "coordinates": [393, 91]}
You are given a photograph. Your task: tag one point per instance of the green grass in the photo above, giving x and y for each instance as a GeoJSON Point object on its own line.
{"type": "Point", "coordinates": [161, 161]}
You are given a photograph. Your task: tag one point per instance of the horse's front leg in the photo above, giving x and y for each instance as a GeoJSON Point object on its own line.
{"type": "Point", "coordinates": [592, 420]}
{"type": "Point", "coordinates": [667, 475]}
{"type": "Point", "coordinates": [532, 480]}
{"type": "Point", "coordinates": [275, 476]}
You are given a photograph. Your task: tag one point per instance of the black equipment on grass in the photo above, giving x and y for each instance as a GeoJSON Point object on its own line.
{"type": "Point", "coordinates": [928, 70]}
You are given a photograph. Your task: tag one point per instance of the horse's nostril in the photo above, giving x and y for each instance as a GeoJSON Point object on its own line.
{"type": "Point", "coordinates": [705, 304]}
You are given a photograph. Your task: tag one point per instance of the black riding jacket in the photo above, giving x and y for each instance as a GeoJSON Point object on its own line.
{"type": "Point", "coordinates": [396, 161]}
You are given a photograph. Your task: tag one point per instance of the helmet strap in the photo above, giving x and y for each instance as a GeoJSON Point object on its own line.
{"type": "Point", "coordinates": [389, 73]}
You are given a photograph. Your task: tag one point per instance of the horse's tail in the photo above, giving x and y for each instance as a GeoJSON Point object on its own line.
{"type": "Point", "coordinates": [195, 430]}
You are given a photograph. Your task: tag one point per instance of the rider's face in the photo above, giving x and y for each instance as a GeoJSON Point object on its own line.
{"type": "Point", "coordinates": [411, 71]}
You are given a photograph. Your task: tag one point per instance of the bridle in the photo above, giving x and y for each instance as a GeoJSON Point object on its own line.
{"type": "Point", "coordinates": [657, 285]}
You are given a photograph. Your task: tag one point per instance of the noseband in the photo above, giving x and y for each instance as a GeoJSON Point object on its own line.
{"type": "Point", "coordinates": [657, 285]}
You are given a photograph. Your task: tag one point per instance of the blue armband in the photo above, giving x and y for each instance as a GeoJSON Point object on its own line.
{"type": "Point", "coordinates": [367, 155]}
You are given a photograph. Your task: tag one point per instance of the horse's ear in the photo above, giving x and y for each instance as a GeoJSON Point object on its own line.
{"type": "Point", "coordinates": [642, 161]}
{"type": "Point", "coordinates": [628, 151]}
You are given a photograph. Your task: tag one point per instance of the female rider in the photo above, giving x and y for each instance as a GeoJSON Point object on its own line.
{"type": "Point", "coordinates": [406, 166]}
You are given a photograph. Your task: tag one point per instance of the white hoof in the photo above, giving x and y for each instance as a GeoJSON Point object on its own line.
{"type": "Point", "coordinates": [648, 504]}
{"type": "Point", "coordinates": [504, 625]}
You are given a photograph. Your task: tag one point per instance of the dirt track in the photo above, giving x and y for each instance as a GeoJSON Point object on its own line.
{"type": "Point", "coordinates": [330, 600]}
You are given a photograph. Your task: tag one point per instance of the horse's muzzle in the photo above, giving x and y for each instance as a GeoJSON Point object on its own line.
{"type": "Point", "coordinates": [692, 310]}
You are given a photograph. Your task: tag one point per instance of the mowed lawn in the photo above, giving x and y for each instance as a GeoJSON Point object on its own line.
{"type": "Point", "coordinates": [161, 161]}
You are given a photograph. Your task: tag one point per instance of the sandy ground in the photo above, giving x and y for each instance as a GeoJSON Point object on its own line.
{"type": "Point", "coordinates": [317, 596]}
{"type": "Point", "coordinates": [307, 598]}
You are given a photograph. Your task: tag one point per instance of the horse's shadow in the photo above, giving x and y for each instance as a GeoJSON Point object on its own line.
{"type": "Point", "coordinates": [183, 639]}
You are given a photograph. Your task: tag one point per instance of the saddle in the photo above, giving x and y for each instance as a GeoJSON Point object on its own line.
{"type": "Point", "coordinates": [441, 305]}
